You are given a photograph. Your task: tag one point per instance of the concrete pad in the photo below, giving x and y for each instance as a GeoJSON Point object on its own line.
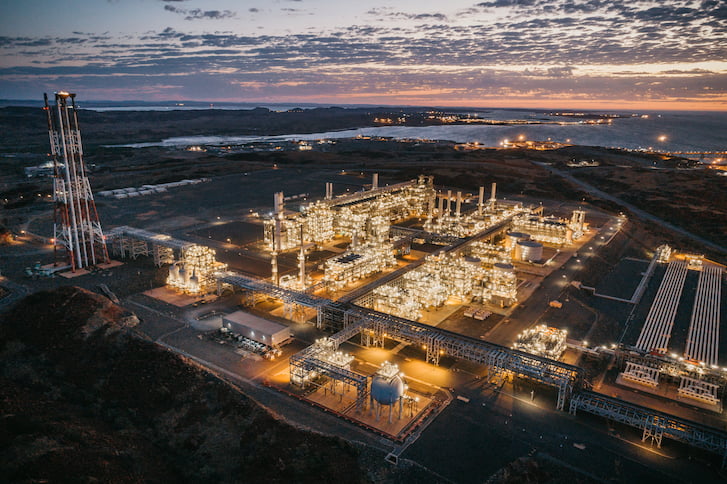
{"type": "Point", "coordinates": [71, 274]}
{"type": "Point", "coordinates": [171, 296]}
{"type": "Point", "coordinates": [111, 263]}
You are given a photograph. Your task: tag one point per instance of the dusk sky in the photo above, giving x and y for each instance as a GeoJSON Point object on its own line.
{"type": "Point", "coordinates": [598, 54]}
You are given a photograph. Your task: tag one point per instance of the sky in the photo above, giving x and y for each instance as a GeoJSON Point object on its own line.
{"type": "Point", "coordinates": [568, 54]}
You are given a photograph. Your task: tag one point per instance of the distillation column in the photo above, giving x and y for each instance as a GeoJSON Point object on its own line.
{"type": "Point", "coordinates": [278, 213]}
{"type": "Point", "coordinates": [301, 261]}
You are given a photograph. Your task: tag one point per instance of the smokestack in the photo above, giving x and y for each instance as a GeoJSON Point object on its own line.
{"type": "Point", "coordinates": [441, 204]}
{"type": "Point", "coordinates": [278, 199]}
{"type": "Point", "coordinates": [301, 261]}
{"type": "Point", "coordinates": [459, 203]}
{"type": "Point", "coordinates": [375, 182]}
{"type": "Point", "coordinates": [329, 190]}
{"type": "Point", "coordinates": [274, 262]}
{"type": "Point", "coordinates": [481, 200]}
{"type": "Point", "coordinates": [494, 192]}
{"type": "Point", "coordinates": [449, 202]}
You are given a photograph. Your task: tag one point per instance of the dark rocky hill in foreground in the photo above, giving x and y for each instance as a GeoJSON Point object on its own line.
{"type": "Point", "coordinates": [83, 399]}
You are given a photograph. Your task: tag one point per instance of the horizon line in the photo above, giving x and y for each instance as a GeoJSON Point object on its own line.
{"type": "Point", "coordinates": [261, 103]}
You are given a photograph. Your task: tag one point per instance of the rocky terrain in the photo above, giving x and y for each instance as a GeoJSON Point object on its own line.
{"type": "Point", "coordinates": [84, 399]}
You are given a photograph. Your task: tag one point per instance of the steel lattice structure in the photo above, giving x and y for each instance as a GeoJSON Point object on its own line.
{"type": "Point", "coordinates": [655, 424]}
{"type": "Point", "coordinates": [76, 227]}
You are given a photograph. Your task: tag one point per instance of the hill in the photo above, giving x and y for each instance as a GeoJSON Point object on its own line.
{"type": "Point", "coordinates": [84, 399]}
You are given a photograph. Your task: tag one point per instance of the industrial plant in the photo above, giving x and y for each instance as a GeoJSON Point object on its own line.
{"type": "Point", "coordinates": [389, 277]}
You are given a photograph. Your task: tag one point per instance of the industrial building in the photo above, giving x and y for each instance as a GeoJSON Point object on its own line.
{"type": "Point", "coordinates": [257, 329]}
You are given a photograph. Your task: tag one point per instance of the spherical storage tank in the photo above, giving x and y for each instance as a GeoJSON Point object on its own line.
{"type": "Point", "coordinates": [529, 250]}
{"type": "Point", "coordinates": [514, 237]}
{"type": "Point", "coordinates": [385, 390]}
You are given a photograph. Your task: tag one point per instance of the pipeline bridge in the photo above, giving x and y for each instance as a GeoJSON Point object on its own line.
{"type": "Point", "coordinates": [655, 425]}
{"type": "Point", "coordinates": [132, 242]}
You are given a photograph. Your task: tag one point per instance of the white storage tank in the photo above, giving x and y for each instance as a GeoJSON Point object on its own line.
{"type": "Point", "coordinates": [183, 276]}
{"type": "Point", "coordinates": [503, 267]}
{"type": "Point", "coordinates": [529, 251]}
{"type": "Point", "coordinates": [173, 274]}
{"type": "Point", "coordinates": [514, 237]}
{"type": "Point", "coordinates": [387, 390]}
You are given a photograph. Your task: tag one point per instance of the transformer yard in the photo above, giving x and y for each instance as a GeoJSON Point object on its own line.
{"type": "Point", "coordinates": [396, 305]}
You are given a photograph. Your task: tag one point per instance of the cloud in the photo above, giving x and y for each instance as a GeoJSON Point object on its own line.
{"type": "Point", "coordinates": [197, 14]}
{"type": "Point", "coordinates": [388, 12]}
{"type": "Point", "coordinates": [597, 48]}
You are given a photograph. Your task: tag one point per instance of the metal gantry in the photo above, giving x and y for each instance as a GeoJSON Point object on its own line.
{"type": "Point", "coordinates": [438, 342]}
{"type": "Point", "coordinates": [76, 227]}
{"type": "Point", "coordinates": [288, 296]}
{"type": "Point", "coordinates": [655, 425]}
{"type": "Point", "coordinates": [133, 242]}
{"type": "Point", "coordinates": [311, 363]}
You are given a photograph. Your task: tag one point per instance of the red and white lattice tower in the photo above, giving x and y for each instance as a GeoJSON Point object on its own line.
{"type": "Point", "coordinates": [76, 226]}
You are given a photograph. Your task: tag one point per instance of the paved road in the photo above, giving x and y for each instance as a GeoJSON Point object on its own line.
{"type": "Point", "coordinates": [636, 211]}
{"type": "Point", "coordinates": [470, 441]}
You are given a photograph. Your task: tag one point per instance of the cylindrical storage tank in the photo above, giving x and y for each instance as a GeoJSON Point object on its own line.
{"type": "Point", "coordinates": [173, 274]}
{"type": "Point", "coordinates": [514, 237]}
{"type": "Point", "coordinates": [569, 236]}
{"type": "Point", "coordinates": [194, 283]}
{"type": "Point", "coordinates": [183, 276]}
{"type": "Point", "coordinates": [385, 390]}
{"type": "Point", "coordinates": [503, 267]}
{"type": "Point", "coordinates": [529, 251]}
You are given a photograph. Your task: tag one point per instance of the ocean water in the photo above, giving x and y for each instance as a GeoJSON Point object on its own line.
{"type": "Point", "coordinates": [664, 132]}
